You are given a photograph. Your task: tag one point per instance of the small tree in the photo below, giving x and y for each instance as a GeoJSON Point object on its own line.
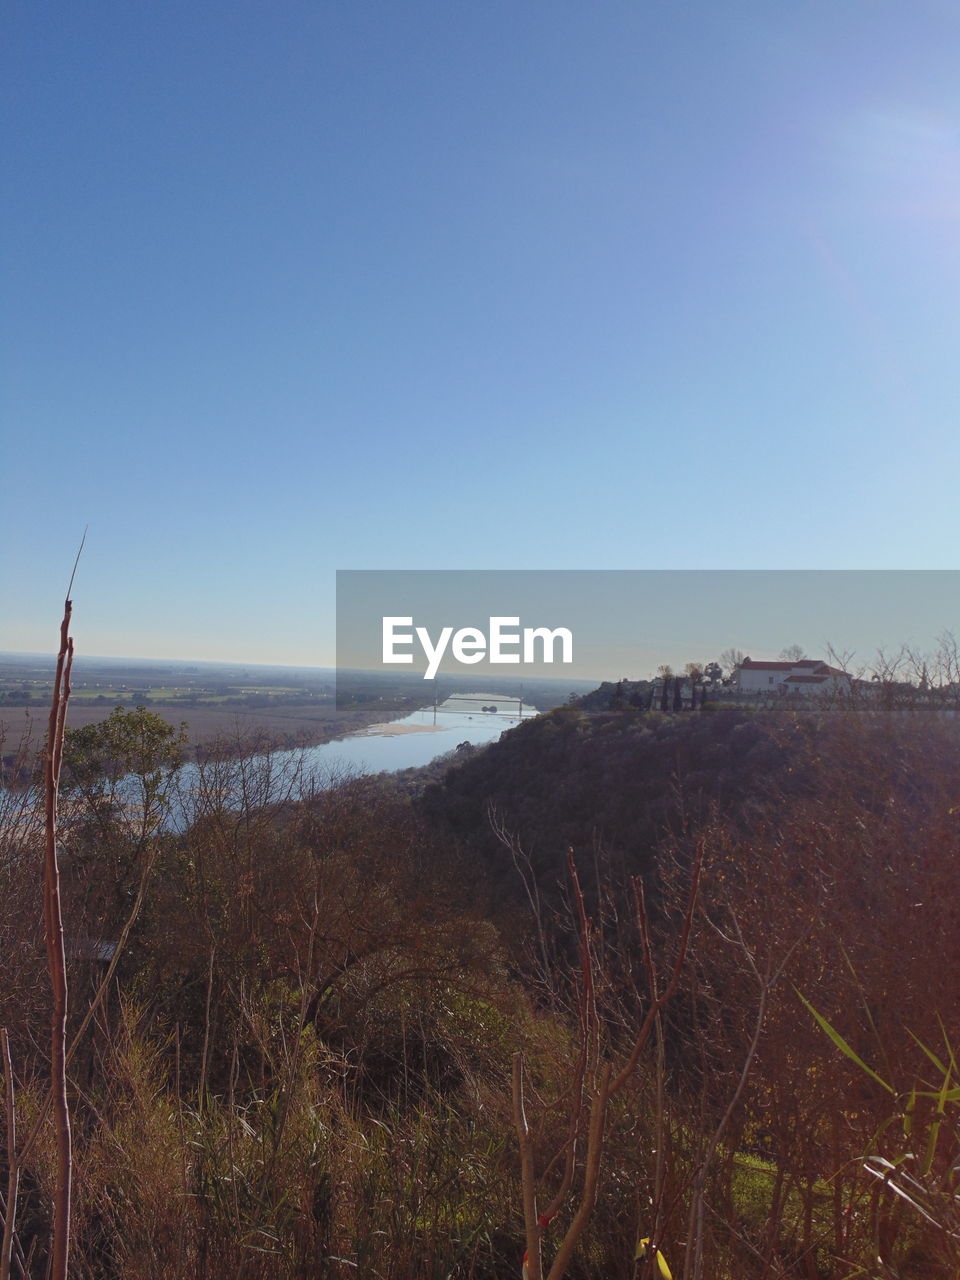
{"type": "Point", "coordinates": [117, 783]}
{"type": "Point", "coordinates": [792, 653]}
{"type": "Point", "coordinates": [731, 658]}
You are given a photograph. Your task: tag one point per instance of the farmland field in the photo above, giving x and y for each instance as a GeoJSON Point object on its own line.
{"type": "Point", "coordinates": [279, 706]}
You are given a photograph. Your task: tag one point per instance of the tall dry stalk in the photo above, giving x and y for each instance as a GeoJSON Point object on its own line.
{"type": "Point", "coordinates": [56, 956]}
{"type": "Point", "coordinates": [13, 1172]}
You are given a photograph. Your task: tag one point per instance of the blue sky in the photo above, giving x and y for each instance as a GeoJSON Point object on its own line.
{"type": "Point", "coordinates": [294, 287]}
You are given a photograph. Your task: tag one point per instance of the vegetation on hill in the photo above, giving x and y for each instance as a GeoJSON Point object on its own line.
{"type": "Point", "coordinates": [309, 1001]}
{"type": "Point", "coordinates": [611, 785]}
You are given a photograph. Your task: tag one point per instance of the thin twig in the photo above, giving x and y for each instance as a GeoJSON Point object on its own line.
{"type": "Point", "coordinates": [656, 1005]}
{"type": "Point", "coordinates": [527, 1173]}
{"type": "Point", "coordinates": [13, 1169]}
{"type": "Point", "coordinates": [73, 573]}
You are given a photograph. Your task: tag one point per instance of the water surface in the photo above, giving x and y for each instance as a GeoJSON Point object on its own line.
{"type": "Point", "coordinates": [459, 718]}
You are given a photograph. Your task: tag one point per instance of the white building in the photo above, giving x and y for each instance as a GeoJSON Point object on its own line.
{"type": "Point", "coordinates": [803, 678]}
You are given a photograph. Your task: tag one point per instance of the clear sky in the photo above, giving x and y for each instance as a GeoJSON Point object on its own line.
{"type": "Point", "coordinates": [293, 287]}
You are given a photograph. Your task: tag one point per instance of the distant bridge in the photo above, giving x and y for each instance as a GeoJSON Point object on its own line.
{"type": "Point", "coordinates": [504, 706]}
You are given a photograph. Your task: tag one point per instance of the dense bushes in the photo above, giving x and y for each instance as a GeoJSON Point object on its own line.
{"type": "Point", "coordinates": [302, 1063]}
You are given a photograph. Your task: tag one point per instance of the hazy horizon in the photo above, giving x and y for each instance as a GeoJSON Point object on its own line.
{"type": "Point", "coordinates": [627, 623]}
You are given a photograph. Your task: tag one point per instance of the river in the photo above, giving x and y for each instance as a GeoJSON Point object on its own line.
{"type": "Point", "coordinates": [422, 736]}
{"type": "Point", "coordinates": [402, 744]}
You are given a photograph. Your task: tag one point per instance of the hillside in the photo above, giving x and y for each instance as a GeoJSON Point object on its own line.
{"type": "Point", "coordinates": [614, 782]}
{"type": "Point", "coordinates": [325, 1003]}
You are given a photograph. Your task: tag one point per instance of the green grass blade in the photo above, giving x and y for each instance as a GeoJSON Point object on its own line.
{"type": "Point", "coordinates": [929, 1052]}
{"type": "Point", "coordinates": [842, 1045]}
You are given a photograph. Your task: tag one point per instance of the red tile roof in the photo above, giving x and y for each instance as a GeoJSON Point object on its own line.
{"type": "Point", "coordinates": [813, 665]}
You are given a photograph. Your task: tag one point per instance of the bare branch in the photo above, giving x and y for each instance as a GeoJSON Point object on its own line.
{"type": "Point", "coordinates": [56, 957]}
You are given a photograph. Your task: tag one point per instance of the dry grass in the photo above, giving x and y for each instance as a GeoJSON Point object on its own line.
{"type": "Point", "coordinates": [303, 724]}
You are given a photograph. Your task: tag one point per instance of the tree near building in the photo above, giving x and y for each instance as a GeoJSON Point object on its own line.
{"type": "Point", "coordinates": [731, 658]}
{"type": "Point", "coordinates": [793, 653]}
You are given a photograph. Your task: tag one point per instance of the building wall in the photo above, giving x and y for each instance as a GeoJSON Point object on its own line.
{"type": "Point", "coordinates": [752, 681]}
